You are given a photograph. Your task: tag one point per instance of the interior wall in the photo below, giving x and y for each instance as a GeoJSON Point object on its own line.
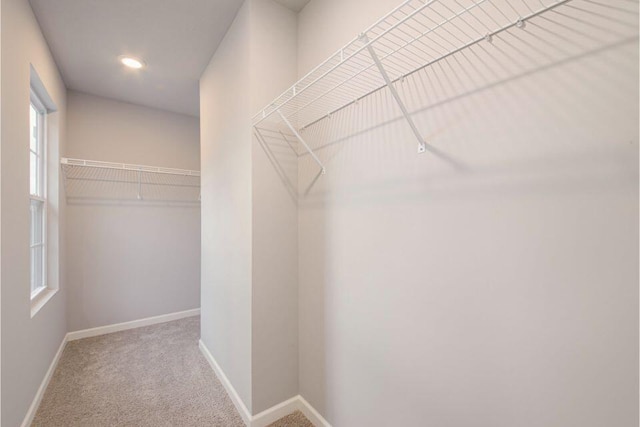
{"type": "Point", "coordinates": [492, 283]}
{"type": "Point", "coordinates": [225, 112]}
{"type": "Point", "coordinates": [0, 216]}
{"type": "Point", "coordinates": [130, 259]}
{"type": "Point", "coordinates": [28, 344]}
{"type": "Point", "coordinates": [249, 208]}
{"type": "Point", "coordinates": [274, 214]}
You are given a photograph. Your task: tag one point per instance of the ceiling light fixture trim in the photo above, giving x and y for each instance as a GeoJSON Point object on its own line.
{"type": "Point", "coordinates": [132, 62]}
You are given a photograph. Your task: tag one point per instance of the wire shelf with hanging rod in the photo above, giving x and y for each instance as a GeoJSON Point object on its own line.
{"type": "Point", "coordinates": [419, 34]}
{"type": "Point", "coordinates": [96, 180]}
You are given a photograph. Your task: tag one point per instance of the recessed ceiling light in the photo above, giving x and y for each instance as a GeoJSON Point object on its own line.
{"type": "Point", "coordinates": [132, 62]}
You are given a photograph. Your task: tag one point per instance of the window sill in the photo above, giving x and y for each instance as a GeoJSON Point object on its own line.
{"type": "Point", "coordinates": [41, 299]}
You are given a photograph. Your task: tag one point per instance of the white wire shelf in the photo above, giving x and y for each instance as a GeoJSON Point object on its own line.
{"type": "Point", "coordinates": [416, 35]}
{"type": "Point", "coordinates": [90, 179]}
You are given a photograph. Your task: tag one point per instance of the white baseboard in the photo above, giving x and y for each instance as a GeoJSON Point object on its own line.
{"type": "Point", "coordinates": [311, 413]}
{"type": "Point", "coordinates": [108, 329]}
{"type": "Point", "coordinates": [296, 403]}
{"type": "Point", "coordinates": [235, 398]}
{"type": "Point", "coordinates": [276, 412]}
{"type": "Point", "coordinates": [262, 419]}
{"type": "Point", "coordinates": [72, 336]}
{"type": "Point", "coordinates": [268, 416]}
{"type": "Point", "coordinates": [31, 413]}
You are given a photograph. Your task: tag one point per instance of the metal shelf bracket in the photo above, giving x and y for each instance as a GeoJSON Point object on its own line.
{"type": "Point", "coordinates": [422, 146]}
{"type": "Point", "coordinates": [297, 135]}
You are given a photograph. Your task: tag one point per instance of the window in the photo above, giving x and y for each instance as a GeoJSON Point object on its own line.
{"type": "Point", "coordinates": [38, 195]}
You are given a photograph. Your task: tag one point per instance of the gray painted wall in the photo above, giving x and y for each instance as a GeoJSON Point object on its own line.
{"type": "Point", "coordinates": [274, 215]}
{"type": "Point", "coordinates": [498, 289]}
{"type": "Point", "coordinates": [249, 243]}
{"type": "Point", "coordinates": [127, 259]}
{"type": "Point", "coordinates": [28, 344]}
{"type": "Point", "coordinates": [225, 111]}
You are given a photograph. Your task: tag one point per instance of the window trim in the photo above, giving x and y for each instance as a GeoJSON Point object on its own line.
{"type": "Point", "coordinates": [39, 96]}
{"type": "Point", "coordinates": [38, 293]}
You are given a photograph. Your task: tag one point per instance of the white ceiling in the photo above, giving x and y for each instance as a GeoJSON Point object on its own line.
{"type": "Point", "coordinates": [176, 38]}
{"type": "Point", "coordinates": [295, 5]}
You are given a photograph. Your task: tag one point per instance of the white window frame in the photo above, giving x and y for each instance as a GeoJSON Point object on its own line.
{"type": "Point", "coordinates": [41, 194]}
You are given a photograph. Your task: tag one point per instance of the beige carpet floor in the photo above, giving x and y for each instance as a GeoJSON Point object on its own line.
{"type": "Point", "coordinates": [297, 419]}
{"type": "Point", "coordinates": [151, 376]}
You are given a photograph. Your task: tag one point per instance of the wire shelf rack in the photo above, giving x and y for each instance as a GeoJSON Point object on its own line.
{"type": "Point", "coordinates": [414, 36]}
{"type": "Point", "coordinates": [89, 179]}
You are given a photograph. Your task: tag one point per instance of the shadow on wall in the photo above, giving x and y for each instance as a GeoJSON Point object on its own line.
{"type": "Point", "coordinates": [528, 70]}
{"type": "Point", "coordinates": [548, 109]}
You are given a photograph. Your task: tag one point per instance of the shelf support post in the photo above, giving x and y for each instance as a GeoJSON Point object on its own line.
{"type": "Point", "coordinates": [422, 146]}
{"type": "Point", "coordinates": [139, 185]}
{"type": "Point", "coordinates": [295, 132]}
